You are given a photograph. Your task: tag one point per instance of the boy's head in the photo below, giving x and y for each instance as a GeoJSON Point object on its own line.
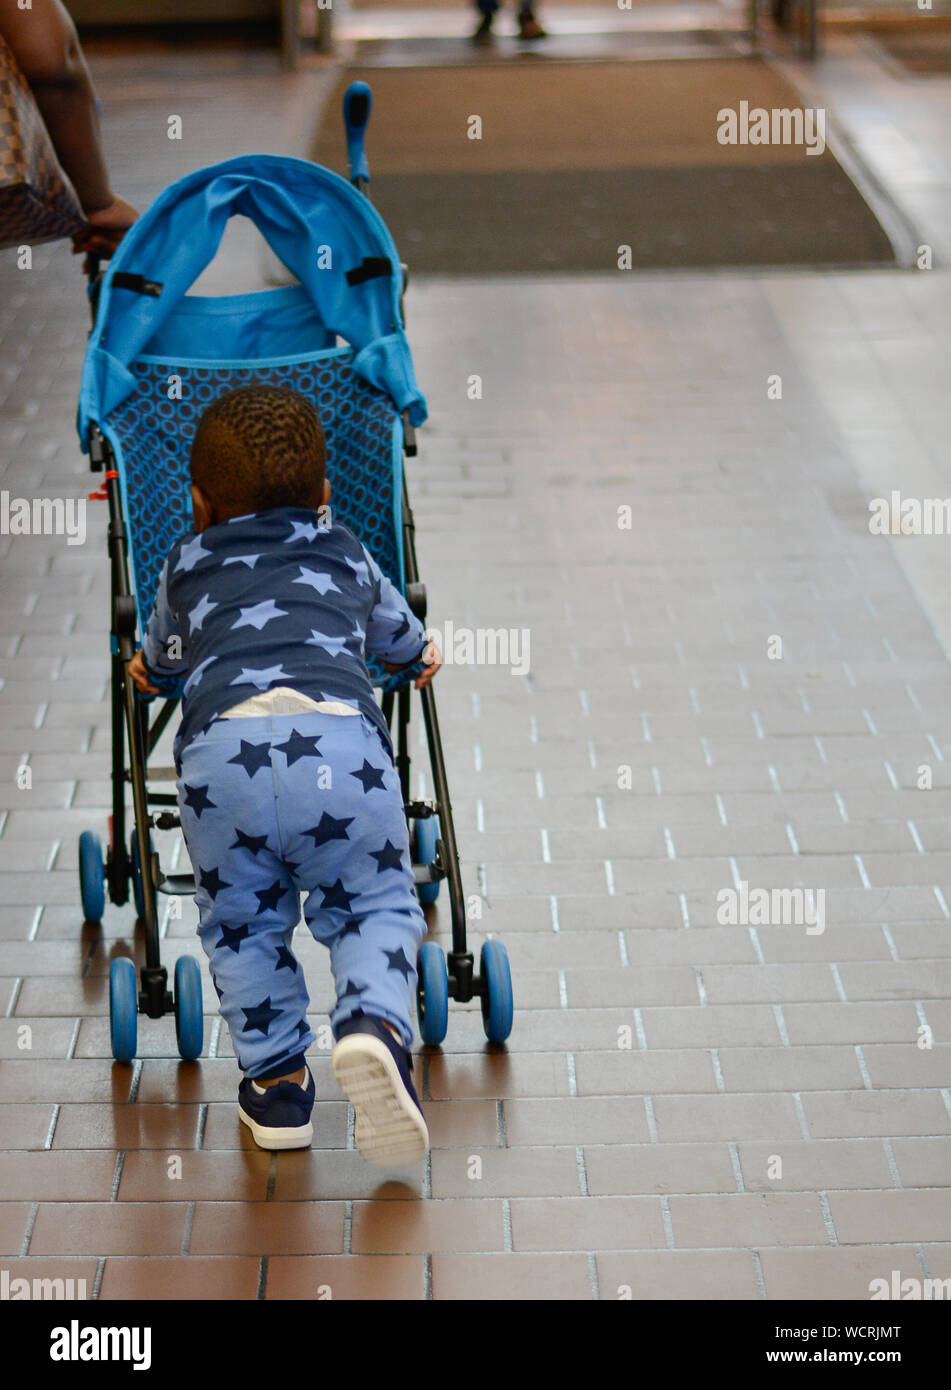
{"type": "Point", "coordinates": [256, 448]}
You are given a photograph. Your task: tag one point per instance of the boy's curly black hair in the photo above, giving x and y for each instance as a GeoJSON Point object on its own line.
{"type": "Point", "coordinates": [259, 447]}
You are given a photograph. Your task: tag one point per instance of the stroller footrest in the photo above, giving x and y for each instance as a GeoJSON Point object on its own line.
{"type": "Point", "coordinates": [177, 884]}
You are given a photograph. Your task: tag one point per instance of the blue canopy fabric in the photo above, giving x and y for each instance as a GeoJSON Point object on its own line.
{"type": "Point", "coordinates": [316, 223]}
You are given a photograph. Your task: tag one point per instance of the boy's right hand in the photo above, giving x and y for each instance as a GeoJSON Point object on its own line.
{"type": "Point", "coordinates": [140, 676]}
{"type": "Point", "coordinates": [432, 660]}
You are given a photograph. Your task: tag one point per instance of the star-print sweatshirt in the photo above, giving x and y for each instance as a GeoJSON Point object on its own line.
{"type": "Point", "coordinates": [273, 599]}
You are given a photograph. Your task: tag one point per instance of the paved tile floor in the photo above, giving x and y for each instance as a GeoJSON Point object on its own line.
{"type": "Point", "coordinates": [740, 686]}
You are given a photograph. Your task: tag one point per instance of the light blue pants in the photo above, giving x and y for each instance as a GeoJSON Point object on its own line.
{"type": "Point", "coordinates": [280, 805]}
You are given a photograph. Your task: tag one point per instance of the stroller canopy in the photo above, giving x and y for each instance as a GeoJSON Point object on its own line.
{"type": "Point", "coordinates": [315, 222]}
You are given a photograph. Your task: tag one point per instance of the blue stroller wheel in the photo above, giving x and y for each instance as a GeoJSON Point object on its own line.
{"type": "Point", "coordinates": [432, 994]}
{"type": "Point", "coordinates": [497, 1005]}
{"type": "Point", "coordinates": [427, 833]}
{"type": "Point", "coordinates": [189, 1019]}
{"type": "Point", "coordinates": [123, 1009]}
{"type": "Point", "coordinates": [92, 876]}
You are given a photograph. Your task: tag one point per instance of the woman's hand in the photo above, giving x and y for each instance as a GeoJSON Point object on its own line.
{"type": "Point", "coordinates": [105, 229]}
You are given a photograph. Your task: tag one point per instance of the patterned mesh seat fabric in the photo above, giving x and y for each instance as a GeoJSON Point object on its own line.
{"type": "Point", "coordinates": [154, 435]}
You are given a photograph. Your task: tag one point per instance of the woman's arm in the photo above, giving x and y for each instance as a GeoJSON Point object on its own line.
{"type": "Point", "coordinates": [46, 47]}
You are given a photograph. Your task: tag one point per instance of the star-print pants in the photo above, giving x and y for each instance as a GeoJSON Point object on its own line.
{"type": "Point", "coordinates": [281, 805]}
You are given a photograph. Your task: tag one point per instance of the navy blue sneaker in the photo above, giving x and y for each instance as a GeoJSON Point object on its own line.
{"type": "Point", "coordinates": [375, 1073]}
{"type": "Point", "coordinates": [278, 1116]}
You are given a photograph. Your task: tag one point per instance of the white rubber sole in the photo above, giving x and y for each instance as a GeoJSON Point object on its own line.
{"type": "Point", "coordinates": [390, 1131]}
{"type": "Point", "coordinates": [298, 1137]}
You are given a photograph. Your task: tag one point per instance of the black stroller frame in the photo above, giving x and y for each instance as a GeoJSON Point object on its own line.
{"type": "Point", "coordinates": [136, 863]}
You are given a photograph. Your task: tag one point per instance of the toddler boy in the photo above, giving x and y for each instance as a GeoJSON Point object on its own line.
{"type": "Point", "coordinates": [286, 777]}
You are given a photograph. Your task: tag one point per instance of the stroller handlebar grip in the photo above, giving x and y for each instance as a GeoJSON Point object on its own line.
{"type": "Point", "coordinates": [357, 105]}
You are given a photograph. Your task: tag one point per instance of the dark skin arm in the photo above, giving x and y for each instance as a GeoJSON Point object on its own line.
{"type": "Point", "coordinates": [44, 42]}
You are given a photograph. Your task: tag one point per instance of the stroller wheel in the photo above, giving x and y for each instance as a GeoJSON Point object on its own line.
{"type": "Point", "coordinates": [123, 1009]}
{"type": "Point", "coordinates": [427, 833]}
{"type": "Point", "coordinates": [432, 994]}
{"type": "Point", "coordinates": [189, 1019]}
{"type": "Point", "coordinates": [497, 1006]}
{"type": "Point", "coordinates": [92, 876]}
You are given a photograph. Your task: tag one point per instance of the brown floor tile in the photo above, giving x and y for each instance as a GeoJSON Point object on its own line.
{"type": "Point", "coordinates": [267, 1228]}
{"type": "Point", "coordinates": [677, 1274]}
{"type": "Point", "coordinates": [923, 1162]}
{"type": "Point", "coordinates": [340, 1175]}
{"type": "Point", "coordinates": [675, 946]}
{"type": "Point", "coordinates": [65, 1081]}
{"type": "Point", "coordinates": [545, 1030]}
{"type": "Point", "coordinates": [416, 1227]}
{"type": "Point", "coordinates": [863, 1114]}
{"type": "Point", "coordinates": [587, 1223]}
{"type": "Point", "coordinates": [167, 1127]}
{"type": "Point", "coordinates": [109, 1228]}
{"type": "Point", "coordinates": [869, 1217]}
{"type": "Point", "coordinates": [57, 1177]}
{"type": "Point", "coordinates": [241, 1176]}
{"type": "Point", "coordinates": [497, 1074]}
{"type": "Point", "coordinates": [813, 1167]}
{"type": "Point", "coordinates": [630, 1071]}
{"type": "Point", "coordinates": [28, 1038]}
{"type": "Point", "coordinates": [223, 1129]}
{"type": "Point", "coordinates": [938, 1259]}
{"type": "Point", "coordinates": [697, 1118]}
{"type": "Point", "coordinates": [13, 1224]}
{"type": "Point", "coordinates": [749, 1218]}
{"type": "Point", "coordinates": [63, 998]}
{"type": "Point", "coordinates": [578, 1120]}
{"type": "Point", "coordinates": [790, 1069]}
{"type": "Point", "coordinates": [834, 1272]}
{"type": "Point", "coordinates": [43, 959]}
{"type": "Point", "coordinates": [82, 1273]}
{"type": "Point", "coordinates": [511, 1277]}
{"type": "Point", "coordinates": [603, 989]}
{"type": "Point", "coordinates": [908, 1066]}
{"type": "Point", "coordinates": [345, 1277]}
{"type": "Point", "coordinates": [185, 1278]}
{"type": "Point", "coordinates": [210, 1079]}
{"type": "Point", "coordinates": [622, 1170]}
{"type": "Point", "coordinates": [744, 984]}
{"type": "Point", "coordinates": [851, 1023]}
{"type": "Point", "coordinates": [24, 1126]}
{"type": "Point", "coordinates": [711, 1025]}
{"type": "Point", "coordinates": [454, 1124]}
{"type": "Point", "coordinates": [530, 951]}
{"type": "Point", "coordinates": [534, 1172]}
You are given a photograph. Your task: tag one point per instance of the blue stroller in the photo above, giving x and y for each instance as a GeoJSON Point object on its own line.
{"type": "Point", "coordinates": [156, 357]}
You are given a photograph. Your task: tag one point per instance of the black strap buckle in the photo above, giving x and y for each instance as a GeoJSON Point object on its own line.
{"type": "Point", "coordinates": [122, 280]}
{"type": "Point", "coordinates": [371, 268]}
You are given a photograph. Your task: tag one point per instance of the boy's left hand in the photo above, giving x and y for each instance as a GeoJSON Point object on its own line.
{"type": "Point", "coordinates": [140, 675]}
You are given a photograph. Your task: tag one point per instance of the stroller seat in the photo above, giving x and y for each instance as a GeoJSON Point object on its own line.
{"type": "Point", "coordinates": [152, 435]}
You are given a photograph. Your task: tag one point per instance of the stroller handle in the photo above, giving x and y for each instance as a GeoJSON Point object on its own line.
{"type": "Point", "coordinates": [357, 105]}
